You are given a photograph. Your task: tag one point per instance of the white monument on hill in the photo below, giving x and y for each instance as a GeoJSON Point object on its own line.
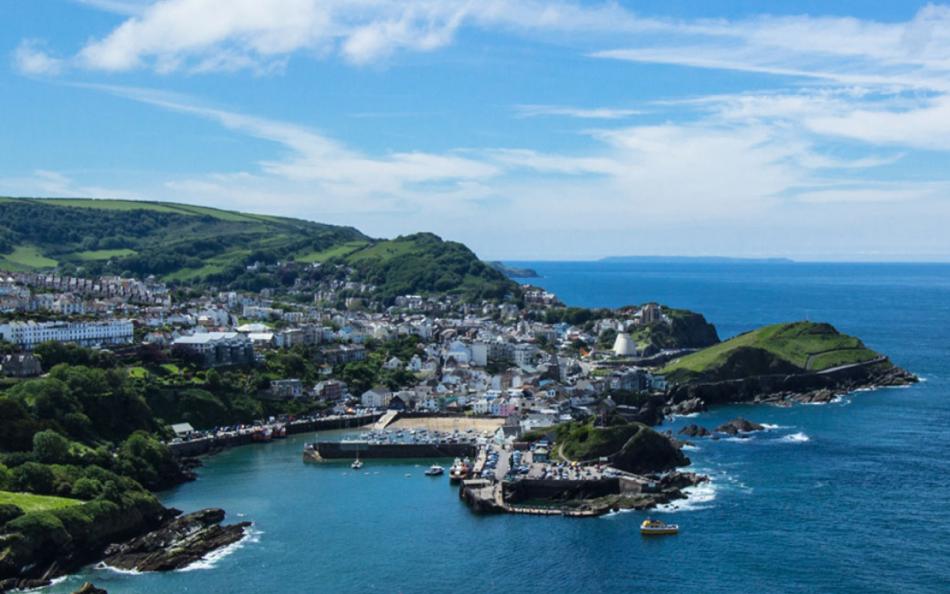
{"type": "Point", "coordinates": [624, 345]}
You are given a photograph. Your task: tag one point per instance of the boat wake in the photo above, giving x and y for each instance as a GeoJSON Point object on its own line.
{"type": "Point", "coordinates": [795, 438]}
{"type": "Point", "coordinates": [211, 559]}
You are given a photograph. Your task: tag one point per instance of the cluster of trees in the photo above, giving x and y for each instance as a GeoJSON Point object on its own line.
{"type": "Point", "coordinates": [78, 229]}
{"type": "Point", "coordinates": [424, 263]}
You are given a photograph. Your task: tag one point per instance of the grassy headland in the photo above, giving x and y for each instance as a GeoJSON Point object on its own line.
{"type": "Point", "coordinates": [796, 347]}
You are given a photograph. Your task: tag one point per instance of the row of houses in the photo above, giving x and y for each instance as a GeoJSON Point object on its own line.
{"type": "Point", "coordinates": [27, 335]}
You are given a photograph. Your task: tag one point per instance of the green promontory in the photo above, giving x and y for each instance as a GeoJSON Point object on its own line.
{"type": "Point", "coordinates": [187, 244]}
{"type": "Point", "coordinates": [633, 447]}
{"type": "Point", "coordinates": [792, 348]}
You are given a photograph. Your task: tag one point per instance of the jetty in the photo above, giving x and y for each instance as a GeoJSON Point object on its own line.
{"type": "Point", "coordinates": [323, 451]}
{"type": "Point", "coordinates": [385, 420]}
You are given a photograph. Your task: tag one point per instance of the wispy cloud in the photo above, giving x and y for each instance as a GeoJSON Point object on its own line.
{"type": "Point", "coordinates": [207, 35]}
{"type": "Point", "coordinates": [592, 113]}
{"type": "Point", "coordinates": [123, 7]}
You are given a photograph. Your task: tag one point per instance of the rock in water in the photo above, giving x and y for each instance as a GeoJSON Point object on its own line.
{"type": "Point", "coordinates": [694, 430]}
{"type": "Point", "coordinates": [739, 425]}
{"type": "Point", "coordinates": [688, 407]}
{"type": "Point", "coordinates": [88, 588]}
{"type": "Point", "coordinates": [177, 543]}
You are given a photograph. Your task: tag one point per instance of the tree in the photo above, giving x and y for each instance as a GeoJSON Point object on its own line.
{"type": "Point", "coordinates": [50, 447]}
{"type": "Point", "coordinates": [86, 488]}
{"type": "Point", "coordinates": [34, 477]}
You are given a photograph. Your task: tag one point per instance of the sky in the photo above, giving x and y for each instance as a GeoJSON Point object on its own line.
{"type": "Point", "coordinates": [557, 130]}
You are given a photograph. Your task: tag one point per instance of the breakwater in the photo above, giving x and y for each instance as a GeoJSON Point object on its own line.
{"type": "Point", "coordinates": [226, 439]}
{"type": "Point", "coordinates": [339, 450]}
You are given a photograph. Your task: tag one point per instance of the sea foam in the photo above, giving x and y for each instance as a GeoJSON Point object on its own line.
{"type": "Point", "coordinates": [212, 558]}
{"type": "Point", "coordinates": [697, 497]}
{"type": "Point", "coordinates": [796, 438]}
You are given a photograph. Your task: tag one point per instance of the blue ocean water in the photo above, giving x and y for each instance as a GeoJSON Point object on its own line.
{"type": "Point", "coordinates": [852, 496]}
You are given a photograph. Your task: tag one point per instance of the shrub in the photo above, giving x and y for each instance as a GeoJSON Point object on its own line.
{"type": "Point", "coordinates": [8, 512]}
{"type": "Point", "coordinates": [86, 488]}
{"type": "Point", "coordinates": [50, 447]}
{"type": "Point", "coordinates": [34, 478]}
{"type": "Point", "coordinates": [41, 528]}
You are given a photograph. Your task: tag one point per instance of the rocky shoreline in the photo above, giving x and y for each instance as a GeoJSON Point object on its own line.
{"type": "Point", "coordinates": [177, 544]}
{"type": "Point", "coordinates": [785, 390]}
{"type": "Point", "coordinates": [177, 541]}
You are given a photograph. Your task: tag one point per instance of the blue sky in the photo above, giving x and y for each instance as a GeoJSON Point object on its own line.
{"type": "Point", "coordinates": [526, 129]}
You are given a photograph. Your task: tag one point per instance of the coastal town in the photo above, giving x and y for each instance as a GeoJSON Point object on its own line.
{"type": "Point", "coordinates": [488, 359]}
{"type": "Point", "coordinates": [115, 386]}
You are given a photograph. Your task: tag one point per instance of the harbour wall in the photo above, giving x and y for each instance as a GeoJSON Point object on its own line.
{"type": "Point", "coordinates": [336, 450]}
{"type": "Point", "coordinates": [203, 445]}
{"type": "Point", "coordinates": [529, 489]}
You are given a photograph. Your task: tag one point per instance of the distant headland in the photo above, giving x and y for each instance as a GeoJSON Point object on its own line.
{"type": "Point", "coordinates": [693, 259]}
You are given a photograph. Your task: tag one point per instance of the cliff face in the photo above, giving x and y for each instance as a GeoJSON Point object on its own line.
{"type": "Point", "coordinates": [691, 329]}
{"type": "Point", "coordinates": [807, 387]}
{"type": "Point", "coordinates": [44, 545]}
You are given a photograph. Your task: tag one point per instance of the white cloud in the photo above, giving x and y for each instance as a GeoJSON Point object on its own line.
{"type": "Point", "coordinates": [202, 35]}
{"type": "Point", "coordinates": [31, 58]}
{"type": "Point", "coordinates": [593, 113]}
{"type": "Point", "coordinates": [839, 50]}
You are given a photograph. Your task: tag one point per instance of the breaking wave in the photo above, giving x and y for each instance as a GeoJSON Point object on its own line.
{"type": "Point", "coordinates": [796, 438]}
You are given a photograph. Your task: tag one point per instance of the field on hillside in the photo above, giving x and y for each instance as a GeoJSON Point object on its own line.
{"type": "Point", "coordinates": [29, 502]}
{"type": "Point", "coordinates": [26, 257]}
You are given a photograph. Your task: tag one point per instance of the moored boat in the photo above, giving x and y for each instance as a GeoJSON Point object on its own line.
{"type": "Point", "coordinates": [357, 464]}
{"type": "Point", "coordinates": [651, 527]}
{"type": "Point", "coordinates": [460, 470]}
{"type": "Point", "coordinates": [435, 470]}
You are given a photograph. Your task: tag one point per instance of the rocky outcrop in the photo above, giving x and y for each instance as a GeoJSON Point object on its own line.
{"type": "Point", "coordinates": [784, 389]}
{"type": "Point", "coordinates": [739, 425]}
{"type": "Point", "coordinates": [648, 451]}
{"type": "Point", "coordinates": [176, 544]}
{"type": "Point", "coordinates": [687, 407]}
{"type": "Point", "coordinates": [694, 430]}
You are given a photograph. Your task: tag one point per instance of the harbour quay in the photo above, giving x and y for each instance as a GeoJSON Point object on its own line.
{"type": "Point", "coordinates": [349, 449]}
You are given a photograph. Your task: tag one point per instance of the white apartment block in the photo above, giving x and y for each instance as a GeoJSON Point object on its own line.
{"type": "Point", "coordinates": [30, 334]}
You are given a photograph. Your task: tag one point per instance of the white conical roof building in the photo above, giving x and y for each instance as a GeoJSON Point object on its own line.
{"type": "Point", "coordinates": [624, 345]}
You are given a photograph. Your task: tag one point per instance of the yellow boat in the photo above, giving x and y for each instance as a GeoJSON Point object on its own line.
{"type": "Point", "coordinates": [657, 528]}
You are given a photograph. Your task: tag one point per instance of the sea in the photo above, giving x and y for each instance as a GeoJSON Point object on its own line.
{"type": "Point", "coordinates": [851, 496]}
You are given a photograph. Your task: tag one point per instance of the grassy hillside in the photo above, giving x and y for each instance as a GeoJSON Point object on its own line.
{"type": "Point", "coordinates": [192, 245]}
{"type": "Point", "coordinates": [781, 348]}
{"type": "Point", "coordinates": [28, 502]}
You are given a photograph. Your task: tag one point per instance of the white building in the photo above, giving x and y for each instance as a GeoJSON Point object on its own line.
{"type": "Point", "coordinates": [30, 334]}
{"type": "Point", "coordinates": [624, 345]}
{"type": "Point", "coordinates": [377, 397]}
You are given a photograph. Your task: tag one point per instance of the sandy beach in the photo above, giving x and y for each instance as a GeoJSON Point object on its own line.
{"type": "Point", "coordinates": [448, 424]}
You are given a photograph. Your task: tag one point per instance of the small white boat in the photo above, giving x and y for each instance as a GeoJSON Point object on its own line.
{"type": "Point", "coordinates": [357, 464]}
{"type": "Point", "coordinates": [435, 470]}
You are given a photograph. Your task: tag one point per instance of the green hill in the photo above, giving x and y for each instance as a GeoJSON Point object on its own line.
{"type": "Point", "coordinates": [633, 447]}
{"type": "Point", "coordinates": [184, 244]}
{"type": "Point", "coordinates": [778, 349]}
